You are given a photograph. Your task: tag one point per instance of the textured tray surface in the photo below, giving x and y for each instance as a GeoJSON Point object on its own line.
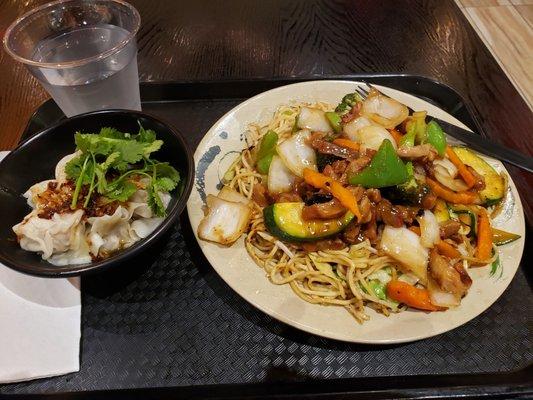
{"type": "Point", "coordinates": [169, 320]}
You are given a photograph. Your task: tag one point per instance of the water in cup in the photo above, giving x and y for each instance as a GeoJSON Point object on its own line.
{"type": "Point", "coordinates": [111, 82]}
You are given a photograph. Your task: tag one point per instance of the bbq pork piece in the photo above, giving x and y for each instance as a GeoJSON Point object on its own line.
{"type": "Point", "coordinates": [325, 147]}
{"type": "Point", "coordinates": [328, 210]}
{"type": "Point", "coordinates": [425, 151]}
{"type": "Point", "coordinates": [447, 277]}
{"type": "Point", "coordinates": [449, 228]}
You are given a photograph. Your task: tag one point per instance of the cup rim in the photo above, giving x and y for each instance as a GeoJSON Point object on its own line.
{"type": "Point", "coordinates": [74, 63]}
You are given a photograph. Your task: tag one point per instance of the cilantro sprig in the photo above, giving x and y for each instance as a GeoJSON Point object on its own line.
{"type": "Point", "coordinates": [109, 161]}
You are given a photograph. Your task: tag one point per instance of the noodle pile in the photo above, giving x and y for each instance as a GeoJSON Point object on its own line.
{"type": "Point", "coordinates": [332, 277]}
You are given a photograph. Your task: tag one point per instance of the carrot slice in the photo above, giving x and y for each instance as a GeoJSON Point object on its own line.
{"type": "Point", "coordinates": [446, 249]}
{"type": "Point", "coordinates": [467, 176]}
{"type": "Point", "coordinates": [451, 196]}
{"type": "Point", "coordinates": [412, 296]}
{"type": "Point", "coordinates": [396, 135]}
{"type": "Point", "coordinates": [484, 236]}
{"type": "Point", "coordinates": [321, 181]}
{"type": "Point", "coordinates": [347, 143]}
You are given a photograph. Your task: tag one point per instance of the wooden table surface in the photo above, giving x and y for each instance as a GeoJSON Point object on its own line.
{"type": "Point", "coordinates": [203, 39]}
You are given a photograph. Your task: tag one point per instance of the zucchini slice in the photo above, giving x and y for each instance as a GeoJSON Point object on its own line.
{"type": "Point", "coordinates": [441, 211]}
{"type": "Point", "coordinates": [494, 183]}
{"type": "Point", "coordinates": [466, 216]}
{"type": "Point", "coordinates": [284, 220]}
{"type": "Point", "coordinates": [500, 237]}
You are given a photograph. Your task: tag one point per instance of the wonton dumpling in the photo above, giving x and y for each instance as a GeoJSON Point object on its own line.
{"type": "Point", "coordinates": [35, 190]}
{"type": "Point", "coordinates": [55, 235]}
{"type": "Point", "coordinates": [79, 250]}
{"type": "Point", "coordinates": [110, 232]}
{"type": "Point", "coordinates": [144, 226]}
{"type": "Point", "coordinates": [60, 173]}
{"type": "Point", "coordinates": [165, 198]}
{"type": "Point", "coordinates": [137, 204]}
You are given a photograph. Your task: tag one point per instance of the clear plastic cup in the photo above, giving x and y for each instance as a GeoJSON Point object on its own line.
{"type": "Point", "coordinates": [84, 53]}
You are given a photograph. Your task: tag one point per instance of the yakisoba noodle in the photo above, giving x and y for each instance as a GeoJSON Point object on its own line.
{"type": "Point", "coordinates": [364, 206]}
{"type": "Point", "coordinates": [284, 263]}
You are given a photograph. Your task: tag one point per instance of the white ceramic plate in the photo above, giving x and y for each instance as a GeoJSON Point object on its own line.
{"type": "Point", "coordinates": [220, 147]}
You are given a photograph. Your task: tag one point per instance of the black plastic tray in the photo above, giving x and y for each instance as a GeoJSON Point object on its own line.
{"type": "Point", "coordinates": [167, 325]}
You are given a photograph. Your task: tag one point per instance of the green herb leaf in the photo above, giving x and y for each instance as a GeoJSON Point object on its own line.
{"type": "Point", "coordinates": [122, 191]}
{"type": "Point", "coordinates": [165, 170]}
{"type": "Point", "coordinates": [113, 133]}
{"type": "Point", "coordinates": [145, 135]}
{"type": "Point", "coordinates": [152, 147]}
{"type": "Point", "coordinates": [164, 184]}
{"type": "Point", "coordinates": [89, 143]}
{"type": "Point", "coordinates": [155, 203]}
{"type": "Point", "coordinates": [113, 151]}
{"type": "Point", "coordinates": [73, 167]}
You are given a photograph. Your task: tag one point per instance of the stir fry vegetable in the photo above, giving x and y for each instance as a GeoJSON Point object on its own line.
{"type": "Point", "coordinates": [367, 185]}
{"type": "Point", "coordinates": [451, 196]}
{"type": "Point", "coordinates": [410, 295]}
{"type": "Point", "coordinates": [321, 181]}
{"type": "Point", "coordinates": [335, 121]}
{"type": "Point", "coordinates": [436, 137]}
{"type": "Point", "coordinates": [267, 150]}
{"type": "Point", "coordinates": [385, 169]}
{"type": "Point", "coordinates": [484, 236]}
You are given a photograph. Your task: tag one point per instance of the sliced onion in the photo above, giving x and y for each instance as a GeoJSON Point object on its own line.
{"type": "Point", "coordinates": [439, 297]}
{"type": "Point", "coordinates": [409, 278]}
{"type": "Point", "coordinates": [372, 136]}
{"type": "Point", "coordinates": [405, 247]}
{"type": "Point", "coordinates": [447, 165]}
{"type": "Point", "coordinates": [381, 275]}
{"type": "Point", "coordinates": [445, 172]}
{"type": "Point", "coordinates": [297, 154]}
{"type": "Point", "coordinates": [313, 119]}
{"type": "Point", "coordinates": [278, 243]}
{"type": "Point", "coordinates": [429, 228]}
{"type": "Point", "coordinates": [280, 178]}
{"type": "Point", "coordinates": [225, 221]}
{"type": "Point", "coordinates": [351, 128]}
{"type": "Point", "coordinates": [384, 110]}
{"type": "Point", "coordinates": [229, 194]}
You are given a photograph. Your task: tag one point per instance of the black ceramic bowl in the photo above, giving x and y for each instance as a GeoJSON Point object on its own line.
{"type": "Point", "coordinates": [35, 159]}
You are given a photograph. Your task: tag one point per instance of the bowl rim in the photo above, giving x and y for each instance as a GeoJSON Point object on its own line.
{"type": "Point", "coordinates": [137, 247]}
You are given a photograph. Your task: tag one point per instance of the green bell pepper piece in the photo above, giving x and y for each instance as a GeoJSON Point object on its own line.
{"type": "Point", "coordinates": [409, 138]}
{"type": "Point", "coordinates": [267, 150]}
{"type": "Point", "coordinates": [436, 137]}
{"type": "Point", "coordinates": [418, 120]}
{"type": "Point", "coordinates": [334, 120]}
{"type": "Point", "coordinates": [385, 169]}
{"type": "Point", "coordinates": [264, 163]}
{"type": "Point", "coordinates": [268, 144]}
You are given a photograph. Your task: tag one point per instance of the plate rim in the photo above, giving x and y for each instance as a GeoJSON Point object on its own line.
{"type": "Point", "coordinates": [294, 323]}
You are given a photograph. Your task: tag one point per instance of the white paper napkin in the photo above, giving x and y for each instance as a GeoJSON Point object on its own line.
{"type": "Point", "coordinates": [39, 325]}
